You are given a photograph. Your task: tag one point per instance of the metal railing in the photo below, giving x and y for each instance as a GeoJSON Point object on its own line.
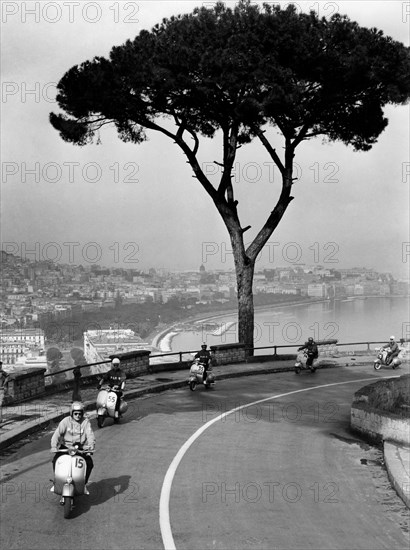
{"type": "Point", "coordinates": [180, 354]}
{"type": "Point", "coordinates": [77, 367]}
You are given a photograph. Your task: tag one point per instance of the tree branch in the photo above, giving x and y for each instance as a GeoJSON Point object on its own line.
{"type": "Point", "coordinates": [270, 149]}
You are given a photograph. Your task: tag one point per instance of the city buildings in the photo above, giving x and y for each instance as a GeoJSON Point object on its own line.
{"type": "Point", "coordinates": [42, 301]}
{"type": "Point", "coordinates": [15, 343]}
{"type": "Point", "coordinates": [100, 344]}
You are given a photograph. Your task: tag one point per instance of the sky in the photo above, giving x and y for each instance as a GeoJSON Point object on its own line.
{"type": "Point", "coordinates": [138, 206]}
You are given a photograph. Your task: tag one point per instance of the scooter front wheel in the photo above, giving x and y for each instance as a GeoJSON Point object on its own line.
{"type": "Point", "coordinates": [100, 420]}
{"type": "Point", "coordinates": [297, 370]}
{"type": "Point", "coordinates": [377, 366]}
{"type": "Point", "coordinates": [192, 385]}
{"type": "Point", "coordinates": [67, 506]}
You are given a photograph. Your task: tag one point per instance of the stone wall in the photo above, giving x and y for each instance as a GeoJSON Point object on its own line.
{"type": "Point", "coordinates": [25, 384]}
{"type": "Point", "coordinates": [133, 363]}
{"type": "Point", "coordinates": [371, 412]}
{"type": "Point", "coordinates": [228, 353]}
{"type": "Point", "coordinates": [378, 426]}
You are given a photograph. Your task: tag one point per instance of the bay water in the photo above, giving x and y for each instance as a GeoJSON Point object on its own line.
{"type": "Point", "coordinates": [362, 319]}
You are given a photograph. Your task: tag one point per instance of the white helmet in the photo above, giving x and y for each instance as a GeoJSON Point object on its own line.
{"type": "Point", "coordinates": [392, 338]}
{"type": "Point", "coordinates": [116, 361]}
{"type": "Point", "coordinates": [77, 406]}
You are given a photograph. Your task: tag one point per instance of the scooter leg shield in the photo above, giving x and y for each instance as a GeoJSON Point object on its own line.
{"type": "Point", "coordinates": [102, 398]}
{"type": "Point", "coordinates": [61, 472]}
{"type": "Point", "coordinates": [68, 490]}
{"type": "Point", "coordinates": [79, 469]}
{"type": "Point", "coordinates": [111, 403]}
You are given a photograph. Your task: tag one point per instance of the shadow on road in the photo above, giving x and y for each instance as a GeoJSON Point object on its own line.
{"type": "Point", "coordinates": [104, 490]}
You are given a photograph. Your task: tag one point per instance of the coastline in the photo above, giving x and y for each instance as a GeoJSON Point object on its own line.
{"type": "Point", "coordinates": [162, 341]}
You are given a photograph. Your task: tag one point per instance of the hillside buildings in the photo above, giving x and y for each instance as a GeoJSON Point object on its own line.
{"type": "Point", "coordinates": [46, 294]}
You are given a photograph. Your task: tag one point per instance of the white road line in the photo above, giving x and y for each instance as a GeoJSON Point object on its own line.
{"type": "Point", "coordinates": [164, 521]}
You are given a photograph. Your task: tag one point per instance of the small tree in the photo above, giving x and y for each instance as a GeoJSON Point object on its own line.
{"type": "Point", "coordinates": [237, 72]}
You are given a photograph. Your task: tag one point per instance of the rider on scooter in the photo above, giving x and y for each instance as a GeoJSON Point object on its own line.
{"type": "Point", "coordinates": [115, 377]}
{"type": "Point", "coordinates": [74, 430]}
{"type": "Point", "coordinates": [204, 356]}
{"type": "Point", "coordinates": [394, 350]}
{"type": "Point", "coordinates": [312, 352]}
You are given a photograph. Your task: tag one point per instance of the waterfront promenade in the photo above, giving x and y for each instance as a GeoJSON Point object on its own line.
{"type": "Point", "coordinates": [21, 422]}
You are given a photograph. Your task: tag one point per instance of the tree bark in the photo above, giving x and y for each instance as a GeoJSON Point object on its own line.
{"type": "Point", "coordinates": [244, 278]}
{"type": "Point", "coordinates": [244, 269]}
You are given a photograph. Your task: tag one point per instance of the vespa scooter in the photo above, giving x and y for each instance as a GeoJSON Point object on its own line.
{"type": "Point", "coordinates": [69, 476]}
{"type": "Point", "coordinates": [106, 402]}
{"type": "Point", "coordinates": [196, 375]}
{"type": "Point", "coordinates": [381, 359]}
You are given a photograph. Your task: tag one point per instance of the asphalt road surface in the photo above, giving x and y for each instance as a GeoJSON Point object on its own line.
{"type": "Point", "coordinates": [204, 469]}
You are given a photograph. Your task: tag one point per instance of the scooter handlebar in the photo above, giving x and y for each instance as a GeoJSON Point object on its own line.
{"type": "Point", "coordinates": [73, 451]}
{"type": "Point", "coordinates": [109, 388]}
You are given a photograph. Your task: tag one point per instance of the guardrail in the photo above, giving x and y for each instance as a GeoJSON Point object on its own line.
{"type": "Point", "coordinates": [180, 354]}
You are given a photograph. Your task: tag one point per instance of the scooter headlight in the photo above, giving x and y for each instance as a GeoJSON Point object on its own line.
{"type": "Point", "coordinates": [69, 480]}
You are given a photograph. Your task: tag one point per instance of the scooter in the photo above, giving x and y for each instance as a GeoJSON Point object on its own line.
{"type": "Point", "coordinates": [196, 376]}
{"type": "Point", "coordinates": [381, 359]}
{"type": "Point", "coordinates": [106, 402]}
{"type": "Point", "coordinates": [301, 361]}
{"type": "Point", "coordinates": [69, 477]}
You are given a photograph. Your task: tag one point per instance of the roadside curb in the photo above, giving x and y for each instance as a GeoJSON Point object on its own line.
{"type": "Point", "coordinates": [398, 472]}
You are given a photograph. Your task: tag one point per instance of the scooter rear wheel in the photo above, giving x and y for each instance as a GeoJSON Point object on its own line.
{"type": "Point", "coordinates": [67, 506]}
{"type": "Point", "coordinates": [100, 420]}
{"type": "Point", "coordinates": [192, 385]}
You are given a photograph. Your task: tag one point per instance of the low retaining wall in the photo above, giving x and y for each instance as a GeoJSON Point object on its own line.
{"type": "Point", "coordinates": [369, 416]}
{"type": "Point", "coordinates": [228, 353]}
{"type": "Point", "coordinates": [133, 363]}
{"type": "Point", "coordinates": [379, 426]}
{"type": "Point", "coordinates": [25, 384]}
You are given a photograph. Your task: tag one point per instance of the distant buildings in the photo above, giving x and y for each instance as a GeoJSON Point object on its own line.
{"type": "Point", "coordinates": [15, 343]}
{"type": "Point", "coordinates": [100, 344]}
{"type": "Point", "coordinates": [50, 295]}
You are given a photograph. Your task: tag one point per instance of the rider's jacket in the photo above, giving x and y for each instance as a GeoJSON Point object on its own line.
{"type": "Point", "coordinates": [114, 377]}
{"type": "Point", "coordinates": [394, 348]}
{"type": "Point", "coordinates": [204, 356]}
{"type": "Point", "coordinates": [311, 348]}
{"type": "Point", "coordinates": [69, 432]}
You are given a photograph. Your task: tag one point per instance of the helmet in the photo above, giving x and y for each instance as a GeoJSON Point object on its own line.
{"type": "Point", "coordinates": [310, 339]}
{"type": "Point", "coordinates": [203, 346]}
{"type": "Point", "coordinates": [116, 361]}
{"type": "Point", "coordinates": [392, 338]}
{"type": "Point", "coordinates": [77, 406]}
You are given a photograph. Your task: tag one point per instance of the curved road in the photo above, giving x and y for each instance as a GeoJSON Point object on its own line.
{"type": "Point", "coordinates": [206, 470]}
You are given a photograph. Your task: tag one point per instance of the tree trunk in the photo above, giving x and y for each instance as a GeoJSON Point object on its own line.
{"type": "Point", "coordinates": [245, 268]}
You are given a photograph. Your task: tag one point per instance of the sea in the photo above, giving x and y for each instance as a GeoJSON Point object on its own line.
{"type": "Point", "coordinates": [349, 321]}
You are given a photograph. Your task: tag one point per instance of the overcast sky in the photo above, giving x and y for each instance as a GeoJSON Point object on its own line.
{"type": "Point", "coordinates": [138, 206]}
